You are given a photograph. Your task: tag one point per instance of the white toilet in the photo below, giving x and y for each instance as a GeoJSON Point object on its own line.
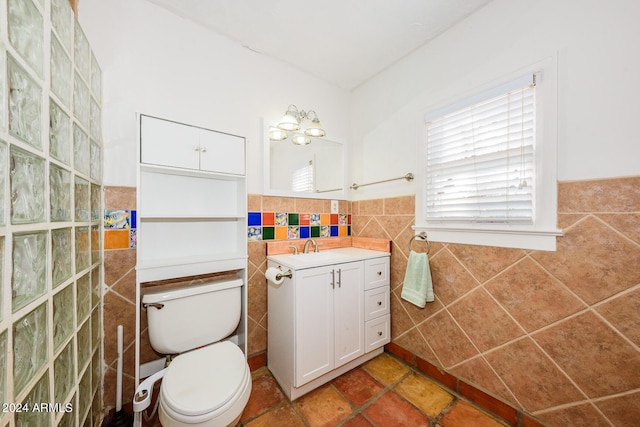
{"type": "Point", "coordinates": [206, 384]}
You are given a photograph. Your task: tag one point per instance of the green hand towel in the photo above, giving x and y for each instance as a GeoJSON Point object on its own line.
{"type": "Point", "coordinates": [417, 287]}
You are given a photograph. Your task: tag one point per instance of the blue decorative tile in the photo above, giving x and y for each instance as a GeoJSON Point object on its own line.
{"type": "Point", "coordinates": [305, 232]}
{"type": "Point", "coordinates": [133, 221]}
{"type": "Point", "coordinates": [254, 219]}
{"type": "Point", "coordinates": [334, 231]}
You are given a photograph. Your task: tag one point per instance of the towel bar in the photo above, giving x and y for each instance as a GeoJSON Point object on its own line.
{"type": "Point", "coordinates": [422, 236]}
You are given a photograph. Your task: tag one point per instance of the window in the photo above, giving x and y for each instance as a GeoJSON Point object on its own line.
{"type": "Point", "coordinates": [302, 178]}
{"type": "Point", "coordinates": [488, 169]}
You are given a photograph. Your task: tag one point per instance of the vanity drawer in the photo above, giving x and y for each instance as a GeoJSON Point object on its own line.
{"type": "Point", "coordinates": [376, 272]}
{"type": "Point", "coordinates": [376, 302]}
{"type": "Point", "coordinates": [377, 333]}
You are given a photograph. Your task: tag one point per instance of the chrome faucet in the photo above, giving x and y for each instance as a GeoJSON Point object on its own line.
{"type": "Point", "coordinates": [306, 246]}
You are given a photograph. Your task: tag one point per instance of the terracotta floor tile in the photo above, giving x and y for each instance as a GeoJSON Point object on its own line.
{"type": "Point", "coordinates": [357, 421]}
{"type": "Point", "coordinates": [464, 415]}
{"type": "Point", "coordinates": [392, 410]}
{"type": "Point", "coordinates": [357, 386]}
{"type": "Point", "coordinates": [282, 416]}
{"type": "Point", "coordinates": [424, 394]}
{"type": "Point", "coordinates": [265, 394]}
{"type": "Point", "coordinates": [323, 407]}
{"type": "Point", "coordinates": [386, 369]}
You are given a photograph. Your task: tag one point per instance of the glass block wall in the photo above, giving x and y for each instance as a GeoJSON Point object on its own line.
{"type": "Point", "coordinates": [50, 216]}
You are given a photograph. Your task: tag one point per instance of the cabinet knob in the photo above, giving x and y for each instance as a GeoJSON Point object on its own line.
{"type": "Point", "coordinates": [379, 302]}
{"type": "Point", "coordinates": [379, 333]}
{"type": "Point", "coordinates": [196, 148]}
{"type": "Point", "coordinates": [203, 149]}
{"type": "Point", "coordinates": [379, 273]}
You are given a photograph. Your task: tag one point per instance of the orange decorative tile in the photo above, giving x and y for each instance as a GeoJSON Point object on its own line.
{"type": "Point", "coordinates": [325, 219]}
{"type": "Point", "coordinates": [305, 219]}
{"type": "Point", "coordinates": [281, 233]}
{"type": "Point", "coordinates": [116, 239]}
{"type": "Point", "coordinates": [268, 218]}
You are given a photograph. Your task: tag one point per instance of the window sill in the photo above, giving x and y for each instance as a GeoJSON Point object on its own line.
{"type": "Point", "coordinates": [543, 240]}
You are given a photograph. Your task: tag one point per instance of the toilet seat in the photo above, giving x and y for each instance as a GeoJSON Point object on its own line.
{"type": "Point", "coordinates": [206, 383]}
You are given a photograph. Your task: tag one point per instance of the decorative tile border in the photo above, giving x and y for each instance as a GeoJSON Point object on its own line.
{"type": "Point", "coordinates": [294, 225]}
{"type": "Point", "coordinates": [120, 229]}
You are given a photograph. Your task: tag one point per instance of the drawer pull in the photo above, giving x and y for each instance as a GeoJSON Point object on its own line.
{"type": "Point", "coordinates": [379, 302]}
{"type": "Point", "coordinates": [379, 333]}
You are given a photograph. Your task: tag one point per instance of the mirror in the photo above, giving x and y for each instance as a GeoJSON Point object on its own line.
{"type": "Point", "coordinates": [315, 170]}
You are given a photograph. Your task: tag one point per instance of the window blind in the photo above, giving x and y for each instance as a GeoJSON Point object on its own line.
{"type": "Point", "coordinates": [302, 178]}
{"type": "Point", "coordinates": [480, 161]}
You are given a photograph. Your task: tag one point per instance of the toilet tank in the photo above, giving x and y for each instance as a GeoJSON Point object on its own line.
{"type": "Point", "coordinates": [188, 317]}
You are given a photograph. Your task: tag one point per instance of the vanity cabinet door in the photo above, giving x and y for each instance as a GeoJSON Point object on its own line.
{"type": "Point", "coordinates": [314, 326]}
{"type": "Point", "coordinates": [348, 312]}
{"type": "Point", "coordinates": [329, 312]}
{"type": "Point", "coordinates": [167, 143]}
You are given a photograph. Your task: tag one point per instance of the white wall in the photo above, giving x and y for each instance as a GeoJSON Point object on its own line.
{"type": "Point", "coordinates": [598, 71]}
{"type": "Point", "coordinates": [156, 63]}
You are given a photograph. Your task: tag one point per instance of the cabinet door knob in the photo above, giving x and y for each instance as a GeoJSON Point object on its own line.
{"type": "Point", "coordinates": [379, 333]}
{"type": "Point", "coordinates": [379, 273]}
{"type": "Point", "coordinates": [379, 302]}
{"type": "Point", "coordinates": [203, 149]}
{"type": "Point", "coordinates": [196, 148]}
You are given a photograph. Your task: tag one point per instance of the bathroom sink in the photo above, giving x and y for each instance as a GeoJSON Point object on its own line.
{"type": "Point", "coordinates": [311, 259]}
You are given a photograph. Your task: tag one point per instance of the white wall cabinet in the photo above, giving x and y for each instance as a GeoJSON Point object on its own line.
{"type": "Point", "coordinates": [191, 206]}
{"type": "Point", "coordinates": [167, 143]}
{"type": "Point", "coordinates": [322, 321]}
{"type": "Point", "coordinates": [192, 200]}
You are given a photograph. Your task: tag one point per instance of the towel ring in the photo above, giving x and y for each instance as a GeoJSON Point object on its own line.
{"type": "Point", "coordinates": [422, 236]}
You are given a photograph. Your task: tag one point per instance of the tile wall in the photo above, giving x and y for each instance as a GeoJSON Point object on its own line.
{"type": "Point", "coordinates": [50, 205]}
{"type": "Point", "coordinates": [119, 290]}
{"type": "Point", "coordinates": [554, 334]}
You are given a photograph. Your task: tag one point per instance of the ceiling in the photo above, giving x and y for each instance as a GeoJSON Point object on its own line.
{"type": "Point", "coordinates": [344, 42]}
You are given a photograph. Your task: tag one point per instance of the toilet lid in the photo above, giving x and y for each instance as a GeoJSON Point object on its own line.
{"type": "Point", "coordinates": [203, 380]}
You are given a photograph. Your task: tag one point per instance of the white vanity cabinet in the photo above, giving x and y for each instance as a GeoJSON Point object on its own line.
{"type": "Point", "coordinates": [167, 143]}
{"type": "Point", "coordinates": [321, 318]}
{"type": "Point", "coordinates": [328, 302]}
